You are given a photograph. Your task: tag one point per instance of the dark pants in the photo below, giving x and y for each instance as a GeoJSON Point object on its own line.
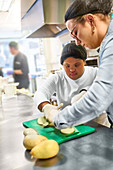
{"type": "Point", "coordinates": [23, 83]}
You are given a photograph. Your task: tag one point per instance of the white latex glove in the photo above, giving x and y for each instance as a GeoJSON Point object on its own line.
{"type": "Point", "coordinates": [50, 111]}
{"type": "Point", "coordinates": [78, 97]}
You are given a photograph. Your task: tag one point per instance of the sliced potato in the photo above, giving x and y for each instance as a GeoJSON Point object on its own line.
{"type": "Point", "coordinates": [45, 124]}
{"type": "Point", "coordinates": [51, 124]}
{"type": "Point", "coordinates": [68, 130]}
{"type": "Point", "coordinates": [42, 121]}
{"type": "Point", "coordinates": [30, 131]}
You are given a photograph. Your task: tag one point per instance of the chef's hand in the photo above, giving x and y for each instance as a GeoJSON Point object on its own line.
{"type": "Point", "coordinates": [78, 97]}
{"type": "Point", "coordinates": [18, 72]}
{"type": "Point", "coordinates": [50, 111]}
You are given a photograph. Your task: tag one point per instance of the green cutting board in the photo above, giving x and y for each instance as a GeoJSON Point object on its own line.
{"type": "Point", "coordinates": [55, 134]}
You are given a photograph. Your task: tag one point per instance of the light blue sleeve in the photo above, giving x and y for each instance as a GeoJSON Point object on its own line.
{"type": "Point", "coordinates": [97, 99]}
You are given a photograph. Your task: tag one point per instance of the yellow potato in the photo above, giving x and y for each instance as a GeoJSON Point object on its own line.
{"type": "Point", "coordinates": [68, 130]}
{"type": "Point", "coordinates": [30, 131]}
{"type": "Point", "coordinates": [45, 150]}
{"type": "Point", "coordinates": [42, 121]}
{"type": "Point", "coordinates": [51, 124]}
{"type": "Point", "coordinates": [31, 141]}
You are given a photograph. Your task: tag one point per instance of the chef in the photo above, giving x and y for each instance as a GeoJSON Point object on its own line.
{"type": "Point", "coordinates": [1, 73]}
{"type": "Point", "coordinates": [90, 25]}
{"type": "Point", "coordinates": [2, 63]}
{"type": "Point", "coordinates": [20, 66]}
{"type": "Point", "coordinates": [71, 83]}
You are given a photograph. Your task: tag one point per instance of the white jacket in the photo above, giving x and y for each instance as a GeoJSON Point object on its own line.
{"type": "Point", "coordinates": [64, 87]}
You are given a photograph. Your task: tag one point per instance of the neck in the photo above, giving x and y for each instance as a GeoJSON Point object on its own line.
{"type": "Point", "coordinates": [16, 52]}
{"type": "Point", "coordinates": [103, 28]}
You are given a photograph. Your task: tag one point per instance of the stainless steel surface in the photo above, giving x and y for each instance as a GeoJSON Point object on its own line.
{"type": "Point", "coordinates": [45, 18]}
{"type": "Point", "coordinates": [91, 152]}
{"type": "Point", "coordinates": [25, 6]}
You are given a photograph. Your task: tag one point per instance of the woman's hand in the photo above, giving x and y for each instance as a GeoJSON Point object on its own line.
{"type": "Point", "coordinates": [50, 111]}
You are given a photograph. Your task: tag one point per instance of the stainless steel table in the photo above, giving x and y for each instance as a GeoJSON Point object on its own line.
{"type": "Point", "coordinates": [91, 152]}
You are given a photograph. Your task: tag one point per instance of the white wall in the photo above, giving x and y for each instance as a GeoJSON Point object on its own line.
{"type": "Point", "coordinates": [52, 52]}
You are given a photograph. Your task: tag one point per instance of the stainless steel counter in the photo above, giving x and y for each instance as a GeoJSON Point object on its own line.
{"type": "Point", "coordinates": [91, 152]}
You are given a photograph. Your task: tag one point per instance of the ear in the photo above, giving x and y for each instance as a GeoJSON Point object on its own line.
{"type": "Point", "coordinates": [90, 19]}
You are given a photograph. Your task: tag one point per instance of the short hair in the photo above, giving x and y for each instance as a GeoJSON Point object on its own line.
{"type": "Point", "coordinates": [14, 45]}
{"type": "Point", "coordinates": [73, 50]}
{"type": "Point", "coordinates": [82, 7]}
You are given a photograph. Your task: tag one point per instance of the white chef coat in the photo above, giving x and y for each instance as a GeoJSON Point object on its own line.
{"type": "Point", "coordinates": [64, 87]}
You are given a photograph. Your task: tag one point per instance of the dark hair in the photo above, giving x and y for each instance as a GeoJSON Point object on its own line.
{"type": "Point", "coordinates": [73, 50]}
{"type": "Point", "coordinates": [14, 45]}
{"type": "Point", "coordinates": [82, 7]}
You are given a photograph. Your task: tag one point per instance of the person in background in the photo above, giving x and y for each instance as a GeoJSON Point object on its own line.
{"type": "Point", "coordinates": [90, 25]}
{"type": "Point", "coordinates": [2, 63]}
{"type": "Point", "coordinates": [69, 84]}
{"type": "Point", "coordinates": [20, 66]}
{"type": "Point", "coordinates": [1, 73]}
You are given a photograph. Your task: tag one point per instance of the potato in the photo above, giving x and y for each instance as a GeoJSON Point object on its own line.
{"type": "Point", "coordinates": [32, 140]}
{"type": "Point", "coordinates": [42, 121]}
{"type": "Point", "coordinates": [30, 131]}
{"type": "Point", "coordinates": [68, 130]}
{"type": "Point", "coordinates": [51, 124]}
{"type": "Point", "coordinates": [45, 150]}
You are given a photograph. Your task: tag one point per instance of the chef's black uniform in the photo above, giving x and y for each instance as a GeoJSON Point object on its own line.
{"type": "Point", "coordinates": [20, 63]}
{"type": "Point", "coordinates": [1, 73]}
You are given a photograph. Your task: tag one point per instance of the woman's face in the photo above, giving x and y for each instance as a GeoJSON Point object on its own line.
{"type": "Point", "coordinates": [74, 68]}
{"type": "Point", "coordinates": [85, 34]}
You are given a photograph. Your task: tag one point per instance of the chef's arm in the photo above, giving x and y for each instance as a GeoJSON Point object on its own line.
{"type": "Point", "coordinates": [18, 72]}
{"type": "Point", "coordinates": [78, 96]}
{"type": "Point", "coordinates": [44, 93]}
{"type": "Point", "coordinates": [41, 105]}
{"type": "Point", "coordinates": [96, 100]}
{"type": "Point", "coordinates": [82, 91]}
